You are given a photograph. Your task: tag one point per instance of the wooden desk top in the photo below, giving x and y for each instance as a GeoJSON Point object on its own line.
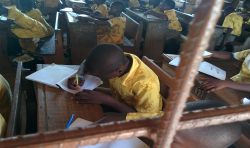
{"type": "Point", "coordinates": [144, 18]}
{"type": "Point", "coordinates": [55, 107]}
{"type": "Point", "coordinates": [226, 95]}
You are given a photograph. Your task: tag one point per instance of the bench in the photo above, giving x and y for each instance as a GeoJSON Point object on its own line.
{"type": "Point", "coordinates": [52, 49]}
{"type": "Point", "coordinates": [134, 31]}
{"type": "Point", "coordinates": [242, 42]}
{"type": "Point", "coordinates": [17, 118]}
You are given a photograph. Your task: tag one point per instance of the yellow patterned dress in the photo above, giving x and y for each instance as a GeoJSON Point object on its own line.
{"type": "Point", "coordinates": [5, 104]}
{"type": "Point", "coordinates": [140, 89]}
{"type": "Point", "coordinates": [36, 15]}
{"type": "Point", "coordinates": [244, 75]}
{"type": "Point", "coordinates": [50, 3]}
{"type": "Point", "coordinates": [104, 13]}
{"type": "Point", "coordinates": [27, 27]}
{"type": "Point", "coordinates": [234, 21]}
{"type": "Point", "coordinates": [174, 23]}
{"type": "Point", "coordinates": [133, 3]}
{"type": "Point", "coordinates": [115, 33]}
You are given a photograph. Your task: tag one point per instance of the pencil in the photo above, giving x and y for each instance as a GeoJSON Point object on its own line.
{"type": "Point", "coordinates": [76, 79]}
{"type": "Point", "coordinates": [70, 120]}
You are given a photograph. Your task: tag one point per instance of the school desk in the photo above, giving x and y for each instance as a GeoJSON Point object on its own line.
{"type": "Point", "coordinates": [226, 95]}
{"type": "Point", "coordinates": [55, 107]}
{"type": "Point", "coordinates": [185, 19]}
{"type": "Point", "coordinates": [82, 38]}
{"type": "Point", "coordinates": [155, 34]}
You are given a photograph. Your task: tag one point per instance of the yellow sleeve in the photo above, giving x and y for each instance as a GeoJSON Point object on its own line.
{"type": "Point", "coordinates": [114, 21]}
{"type": "Point", "coordinates": [5, 97]}
{"type": "Point", "coordinates": [228, 23]}
{"type": "Point", "coordinates": [94, 7]}
{"type": "Point", "coordinates": [101, 9]}
{"type": "Point", "coordinates": [157, 10]}
{"type": "Point", "coordinates": [147, 99]}
{"type": "Point", "coordinates": [241, 55]}
{"type": "Point", "coordinates": [3, 127]}
{"type": "Point", "coordinates": [170, 14]}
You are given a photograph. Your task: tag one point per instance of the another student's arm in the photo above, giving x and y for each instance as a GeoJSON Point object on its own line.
{"type": "Point", "coordinates": [112, 118]}
{"type": "Point", "coordinates": [229, 30]}
{"type": "Point", "coordinates": [82, 8]}
{"type": "Point", "coordinates": [211, 85]}
{"type": "Point", "coordinates": [95, 97]}
{"type": "Point", "coordinates": [140, 8]}
{"type": "Point", "coordinates": [99, 18]}
{"type": "Point", "coordinates": [98, 22]}
{"type": "Point", "coordinates": [151, 12]}
{"type": "Point", "coordinates": [221, 55]}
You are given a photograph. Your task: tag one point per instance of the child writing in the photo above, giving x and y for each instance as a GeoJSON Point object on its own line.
{"type": "Point", "coordinates": [26, 28]}
{"type": "Point", "coordinates": [135, 88]}
{"type": "Point", "coordinates": [117, 24]}
{"type": "Point", "coordinates": [98, 9]}
{"type": "Point", "coordinates": [152, 4]}
{"type": "Point", "coordinates": [26, 7]}
{"type": "Point", "coordinates": [240, 81]}
{"type": "Point", "coordinates": [233, 24]}
{"type": "Point", "coordinates": [166, 12]}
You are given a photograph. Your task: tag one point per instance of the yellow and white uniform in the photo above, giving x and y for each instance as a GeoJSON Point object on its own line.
{"type": "Point", "coordinates": [234, 21]}
{"type": "Point", "coordinates": [140, 89]}
{"type": "Point", "coordinates": [104, 13]}
{"type": "Point", "coordinates": [174, 23]}
{"type": "Point", "coordinates": [30, 25]}
{"type": "Point", "coordinates": [244, 75]}
{"type": "Point", "coordinates": [115, 33]}
{"type": "Point", "coordinates": [133, 3]}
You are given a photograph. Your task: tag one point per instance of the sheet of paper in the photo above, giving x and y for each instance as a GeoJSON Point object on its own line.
{"type": "Point", "coordinates": [177, 60]}
{"type": "Point", "coordinates": [212, 70]}
{"type": "Point", "coordinates": [3, 18]}
{"type": "Point", "coordinates": [126, 143]}
{"type": "Point", "coordinates": [67, 10]}
{"type": "Point", "coordinates": [51, 75]}
{"type": "Point", "coordinates": [246, 101]}
{"type": "Point", "coordinates": [74, 16]}
{"type": "Point", "coordinates": [153, 17]}
{"type": "Point", "coordinates": [91, 82]}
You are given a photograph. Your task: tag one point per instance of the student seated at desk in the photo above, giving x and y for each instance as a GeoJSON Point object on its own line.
{"type": "Point", "coordinates": [152, 4]}
{"type": "Point", "coordinates": [167, 12]}
{"type": "Point", "coordinates": [233, 24]}
{"type": "Point", "coordinates": [5, 104]}
{"type": "Point", "coordinates": [116, 22]}
{"type": "Point", "coordinates": [135, 88]}
{"type": "Point", "coordinates": [241, 80]}
{"type": "Point", "coordinates": [26, 27]}
{"type": "Point", "coordinates": [246, 8]}
{"type": "Point", "coordinates": [26, 7]}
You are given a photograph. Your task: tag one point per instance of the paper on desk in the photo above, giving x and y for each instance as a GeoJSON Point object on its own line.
{"type": "Point", "coordinates": [212, 70]}
{"type": "Point", "coordinates": [153, 17]}
{"type": "Point", "coordinates": [67, 10]}
{"type": "Point", "coordinates": [126, 143]}
{"type": "Point", "coordinates": [74, 16]}
{"type": "Point", "coordinates": [177, 60]}
{"type": "Point", "coordinates": [91, 82]}
{"type": "Point", "coordinates": [246, 101]}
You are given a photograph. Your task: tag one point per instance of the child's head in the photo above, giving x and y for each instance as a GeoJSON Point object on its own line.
{"type": "Point", "coordinates": [246, 5]}
{"type": "Point", "coordinates": [106, 61]}
{"type": "Point", "coordinates": [217, 136]}
{"type": "Point", "coordinates": [167, 5]}
{"type": "Point", "coordinates": [25, 5]}
{"type": "Point", "coordinates": [98, 2]}
{"type": "Point", "coordinates": [116, 8]}
{"type": "Point", "coordinates": [154, 2]}
{"type": "Point", "coordinates": [228, 10]}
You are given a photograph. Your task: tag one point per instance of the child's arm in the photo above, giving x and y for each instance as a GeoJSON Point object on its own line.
{"type": "Point", "coordinates": [140, 8]}
{"type": "Point", "coordinates": [163, 16]}
{"type": "Point", "coordinates": [99, 18]}
{"type": "Point", "coordinates": [82, 10]}
{"type": "Point", "coordinates": [98, 22]}
{"type": "Point", "coordinates": [211, 85]}
{"type": "Point", "coordinates": [229, 30]}
{"type": "Point", "coordinates": [221, 55]}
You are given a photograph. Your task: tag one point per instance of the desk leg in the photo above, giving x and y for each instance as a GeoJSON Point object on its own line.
{"type": "Point", "coordinates": [155, 40]}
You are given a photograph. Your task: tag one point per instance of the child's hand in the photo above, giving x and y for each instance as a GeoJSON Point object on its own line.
{"type": "Point", "coordinates": [211, 85]}
{"type": "Point", "coordinates": [91, 97]}
{"type": "Point", "coordinates": [72, 84]}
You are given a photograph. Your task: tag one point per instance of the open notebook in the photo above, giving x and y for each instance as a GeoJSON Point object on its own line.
{"type": "Point", "coordinates": [126, 143]}
{"type": "Point", "coordinates": [57, 76]}
{"type": "Point", "coordinates": [204, 67]}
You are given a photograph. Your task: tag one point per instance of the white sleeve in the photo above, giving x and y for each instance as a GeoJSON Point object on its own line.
{"type": "Point", "coordinates": [110, 23]}
{"type": "Point", "coordinates": [235, 56]}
